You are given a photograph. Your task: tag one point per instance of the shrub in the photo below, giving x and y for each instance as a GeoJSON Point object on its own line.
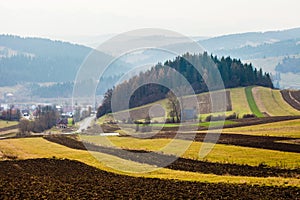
{"type": "Point", "coordinates": [215, 118]}
{"type": "Point", "coordinates": [232, 116]}
{"type": "Point", "coordinates": [249, 116]}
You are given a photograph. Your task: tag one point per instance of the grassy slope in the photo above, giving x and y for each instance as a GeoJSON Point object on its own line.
{"type": "Point", "coordinates": [245, 101]}
{"type": "Point", "coordinates": [252, 103]}
{"type": "Point", "coordinates": [39, 148]}
{"type": "Point", "coordinates": [239, 101]}
{"type": "Point", "coordinates": [271, 102]}
{"type": "Point", "coordinates": [286, 128]}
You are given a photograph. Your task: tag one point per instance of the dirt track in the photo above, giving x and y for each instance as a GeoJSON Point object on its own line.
{"type": "Point", "coordinates": [65, 179]}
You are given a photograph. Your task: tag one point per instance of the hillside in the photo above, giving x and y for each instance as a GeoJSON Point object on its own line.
{"type": "Point", "coordinates": [38, 60]}
{"type": "Point", "coordinates": [195, 73]}
{"type": "Point", "coordinates": [269, 102]}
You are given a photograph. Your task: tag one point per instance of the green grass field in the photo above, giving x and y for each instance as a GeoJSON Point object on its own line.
{"type": "Point", "coordinates": [205, 124]}
{"type": "Point", "coordinates": [252, 103]}
{"type": "Point", "coordinates": [215, 123]}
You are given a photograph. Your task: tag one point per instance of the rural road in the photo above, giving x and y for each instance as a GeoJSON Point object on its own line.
{"type": "Point", "coordinates": [84, 124]}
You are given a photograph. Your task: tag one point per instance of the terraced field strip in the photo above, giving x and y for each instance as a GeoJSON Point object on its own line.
{"type": "Point", "coordinates": [272, 102]}
{"type": "Point", "coordinates": [40, 148]}
{"type": "Point", "coordinates": [221, 152]}
{"type": "Point", "coordinates": [239, 102]}
{"type": "Point", "coordinates": [288, 128]}
{"type": "Point", "coordinates": [251, 102]}
{"type": "Point", "coordinates": [8, 128]}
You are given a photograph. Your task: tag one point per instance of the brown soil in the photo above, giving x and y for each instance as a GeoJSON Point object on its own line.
{"type": "Point", "coordinates": [262, 142]}
{"type": "Point", "coordinates": [66, 179]}
{"type": "Point", "coordinates": [182, 164]}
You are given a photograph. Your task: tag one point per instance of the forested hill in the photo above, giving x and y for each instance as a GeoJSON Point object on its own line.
{"type": "Point", "coordinates": [289, 64]}
{"type": "Point", "coordinates": [38, 60]}
{"type": "Point", "coordinates": [233, 72]}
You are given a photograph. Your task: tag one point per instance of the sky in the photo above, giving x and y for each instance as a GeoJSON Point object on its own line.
{"type": "Point", "coordinates": [68, 18]}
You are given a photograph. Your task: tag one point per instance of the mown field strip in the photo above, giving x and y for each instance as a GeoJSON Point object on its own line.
{"type": "Point", "coordinates": [272, 102]}
{"type": "Point", "coordinates": [252, 103]}
{"type": "Point", "coordinates": [239, 101]}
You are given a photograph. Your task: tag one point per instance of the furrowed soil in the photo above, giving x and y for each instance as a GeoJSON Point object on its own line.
{"type": "Point", "coordinates": [182, 164]}
{"type": "Point", "coordinates": [66, 179]}
{"type": "Point", "coordinates": [261, 142]}
{"type": "Point", "coordinates": [292, 98]}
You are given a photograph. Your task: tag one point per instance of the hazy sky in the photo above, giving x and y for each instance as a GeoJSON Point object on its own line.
{"type": "Point", "coordinates": [50, 18]}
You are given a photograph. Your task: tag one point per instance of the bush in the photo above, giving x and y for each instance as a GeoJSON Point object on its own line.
{"type": "Point", "coordinates": [169, 121]}
{"type": "Point", "coordinates": [249, 116]}
{"type": "Point", "coordinates": [24, 126]}
{"type": "Point", "coordinates": [232, 116]}
{"type": "Point", "coordinates": [215, 118]}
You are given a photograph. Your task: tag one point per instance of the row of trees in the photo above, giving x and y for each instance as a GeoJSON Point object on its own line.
{"type": "Point", "coordinates": [232, 71]}
{"type": "Point", "coordinates": [46, 119]}
{"type": "Point", "coordinates": [11, 114]}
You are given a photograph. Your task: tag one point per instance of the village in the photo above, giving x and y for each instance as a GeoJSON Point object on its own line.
{"type": "Point", "coordinates": [65, 114]}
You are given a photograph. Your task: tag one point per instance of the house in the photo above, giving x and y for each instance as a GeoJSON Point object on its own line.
{"type": "Point", "coordinates": [62, 123]}
{"type": "Point", "coordinates": [188, 114]}
{"type": "Point", "coordinates": [25, 114]}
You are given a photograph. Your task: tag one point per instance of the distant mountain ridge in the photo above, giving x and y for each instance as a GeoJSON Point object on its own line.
{"type": "Point", "coordinates": [236, 41]}
{"type": "Point", "coordinates": [276, 49]}
{"type": "Point", "coordinates": [42, 46]}
{"type": "Point", "coordinates": [263, 49]}
{"type": "Point", "coordinates": [39, 60]}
